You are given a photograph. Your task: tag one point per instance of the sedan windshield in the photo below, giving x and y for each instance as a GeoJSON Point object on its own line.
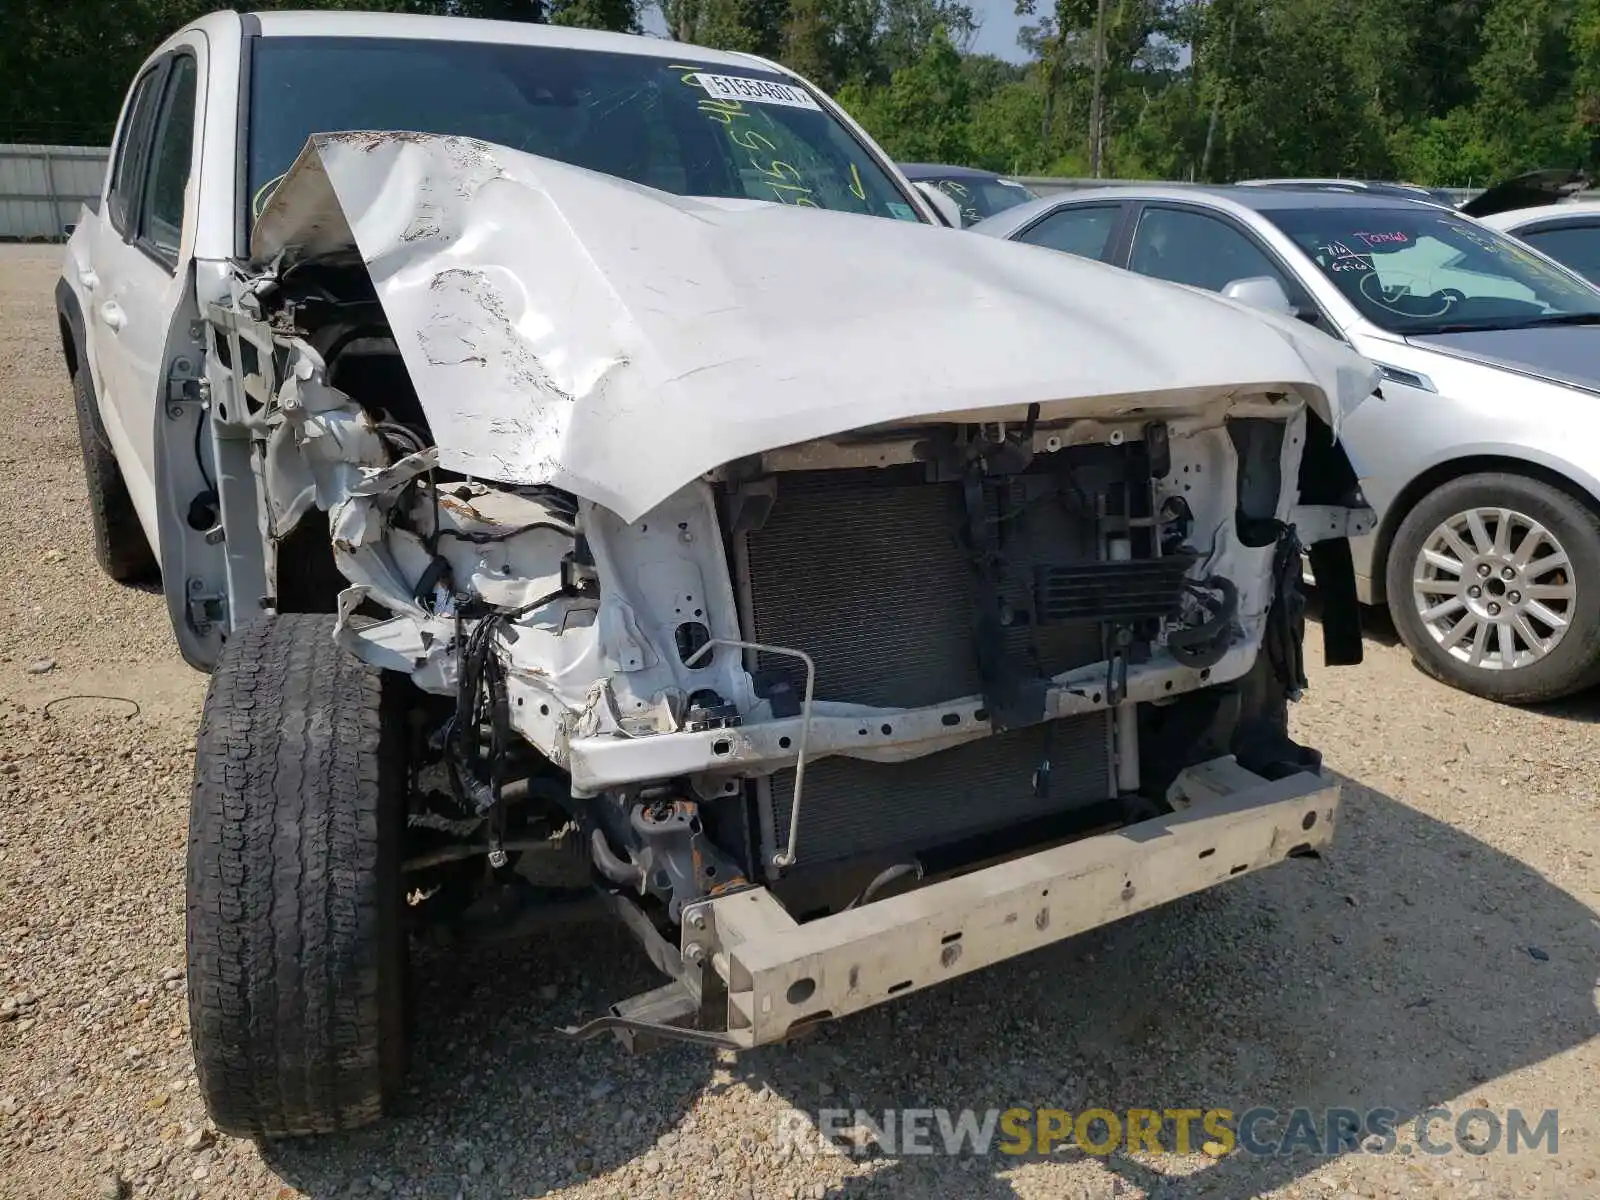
{"type": "Point", "coordinates": [1418, 271]}
{"type": "Point", "coordinates": [677, 125]}
{"type": "Point", "coordinates": [978, 198]}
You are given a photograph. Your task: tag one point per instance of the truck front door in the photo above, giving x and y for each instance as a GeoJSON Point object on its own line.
{"type": "Point", "coordinates": [142, 263]}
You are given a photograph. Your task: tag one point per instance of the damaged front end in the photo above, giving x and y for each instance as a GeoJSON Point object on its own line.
{"type": "Point", "coordinates": [842, 645]}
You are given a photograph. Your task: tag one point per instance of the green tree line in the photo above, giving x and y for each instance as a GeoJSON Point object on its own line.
{"type": "Point", "coordinates": [1444, 92]}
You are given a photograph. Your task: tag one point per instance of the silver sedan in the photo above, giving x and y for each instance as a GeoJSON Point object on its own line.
{"type": "Point", "coordinates": [1482, 454]}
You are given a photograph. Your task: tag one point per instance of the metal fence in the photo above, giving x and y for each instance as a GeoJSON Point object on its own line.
{"type": "Point", "coordinates": [42, 188]}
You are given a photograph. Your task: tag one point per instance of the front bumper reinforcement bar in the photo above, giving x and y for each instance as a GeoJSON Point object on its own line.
{"type": "Point", "coordinates": [780, 976]}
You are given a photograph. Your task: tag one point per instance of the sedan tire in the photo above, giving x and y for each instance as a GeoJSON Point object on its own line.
{"type": "Point", "coordinates": [1494, 586]}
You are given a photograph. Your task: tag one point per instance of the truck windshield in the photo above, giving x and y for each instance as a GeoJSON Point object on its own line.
{"type": "Point", "coordinates": [1421, 270]}
{"type": "Point", "coordinates": [671, 123]}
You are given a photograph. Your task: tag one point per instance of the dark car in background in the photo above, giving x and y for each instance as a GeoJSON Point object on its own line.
{"type": "Point", "coordinates": [978, 194]}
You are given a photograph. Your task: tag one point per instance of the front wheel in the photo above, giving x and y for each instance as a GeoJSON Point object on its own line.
{"type": "Point", "coordinates": [1494, 586]}
{"type": "Point", "coordinates": [297, 952]}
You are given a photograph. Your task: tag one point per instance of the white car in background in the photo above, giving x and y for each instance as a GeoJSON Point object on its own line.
{"type": "Point", "coordinates": [1568, 233]}
{"type": "Point", "coordinates": [1481, 459]}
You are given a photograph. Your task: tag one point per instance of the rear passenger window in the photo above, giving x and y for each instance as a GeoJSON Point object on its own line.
{"type": "Point", "coordinates": [1081, 231]}
{"type": "Point", "coordinates": [125, 172]}
{"type": "Point", "coordinates": [170, 156]}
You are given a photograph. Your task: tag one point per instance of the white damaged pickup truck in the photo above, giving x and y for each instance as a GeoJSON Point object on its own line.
{"type": "Point", "coordinates": [849, 602]}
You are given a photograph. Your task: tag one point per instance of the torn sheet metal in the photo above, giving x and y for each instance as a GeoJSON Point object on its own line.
{"type": "Point", "coordinates": [323, 448]}
{"type": "Point", "coordinates": [565, 327]}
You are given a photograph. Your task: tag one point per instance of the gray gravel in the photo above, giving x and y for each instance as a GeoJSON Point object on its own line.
{"type": "Point", "coordinates": [1445, 952]}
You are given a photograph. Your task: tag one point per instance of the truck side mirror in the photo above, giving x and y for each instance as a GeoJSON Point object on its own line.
{"type": "Point", "coordinates": [949, 211]}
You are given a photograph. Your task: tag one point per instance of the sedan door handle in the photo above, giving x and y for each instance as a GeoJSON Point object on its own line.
{"type": "Point", "coordinates": [111, 313]}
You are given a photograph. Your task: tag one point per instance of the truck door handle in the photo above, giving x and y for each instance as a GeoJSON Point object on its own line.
{"type": "Point", "coordinates": [111, 313]}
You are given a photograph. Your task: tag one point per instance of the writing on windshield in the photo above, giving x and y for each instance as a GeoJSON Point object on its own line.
{"type": "Point", "coordinates": [770, 152]}
{"type": "Point", "coordinates": [1419, 270]}
{"type": "Point", "coordinates": [689, 129]}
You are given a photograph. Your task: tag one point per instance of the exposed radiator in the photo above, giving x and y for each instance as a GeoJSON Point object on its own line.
{"type": "Point", "coordinates": [864, 570]}
{"type": "Point", "coordinates": [852, 806]}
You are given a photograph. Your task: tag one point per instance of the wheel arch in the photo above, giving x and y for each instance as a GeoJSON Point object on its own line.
{"type": "Point", "coordinates": [69, 317]}
{"type": "Point", "coordinates": [75, 352]}
{"type": "Point", "coordinates": [1563, 476]}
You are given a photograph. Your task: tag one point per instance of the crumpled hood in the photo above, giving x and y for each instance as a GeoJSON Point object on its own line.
{"type": "Point", "coordinates": [566, 327]}
{"type": "Point", "coordinates": [1565, 354]}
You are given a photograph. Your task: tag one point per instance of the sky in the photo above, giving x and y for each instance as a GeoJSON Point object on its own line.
{"type": "Point", "coordinates": [997, 33]}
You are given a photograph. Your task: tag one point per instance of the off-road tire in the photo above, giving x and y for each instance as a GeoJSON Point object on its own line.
{"type": "Point", "coordinates": [120, 546]}
{"type": "Point", "coordinates": [296, 941]}
{"type": "Point", "coordinates": [1574, 662]}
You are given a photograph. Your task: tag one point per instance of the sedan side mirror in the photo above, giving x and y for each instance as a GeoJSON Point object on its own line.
{"type": "Point", "coordinates": [1263, 292]}
{"type": "Point", "coordinates": [1267, 294]}
{"type": "Point", "coordinates": [949, 211]}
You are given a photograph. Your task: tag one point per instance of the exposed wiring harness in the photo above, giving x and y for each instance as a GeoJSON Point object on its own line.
{"type": "Point", "coordinates": [438, 570]}
{"type": "Point", "coordinates": [485, 539]}
{"type": "Point", "coordinates": [199, 456]}
{"type": "Point", "coordinates": [1285, 632]}
{"type": "Point", "coordinates": [392, 431]}
{"type": "Point", "coordinates": [480, 704]}
{"type": "Point", "coordinates": [1203, 645]}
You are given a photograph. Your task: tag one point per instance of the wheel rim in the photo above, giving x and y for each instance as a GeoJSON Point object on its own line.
{"type": "Point", "coordinates": [1494, 589]}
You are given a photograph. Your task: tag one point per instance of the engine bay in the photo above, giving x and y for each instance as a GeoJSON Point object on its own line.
{"type": "Point", "coordinates": [833, 669]}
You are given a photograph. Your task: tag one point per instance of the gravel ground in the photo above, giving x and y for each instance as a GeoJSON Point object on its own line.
{"type": "Point", "coordinates": [1445, 952]}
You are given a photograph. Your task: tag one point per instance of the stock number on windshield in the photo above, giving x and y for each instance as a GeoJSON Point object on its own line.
{"type": "Point", "coordinates": [725, 103]}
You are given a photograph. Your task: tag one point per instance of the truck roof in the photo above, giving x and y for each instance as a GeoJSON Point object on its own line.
{"type": "Point", "coordinates": [341, 24]}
